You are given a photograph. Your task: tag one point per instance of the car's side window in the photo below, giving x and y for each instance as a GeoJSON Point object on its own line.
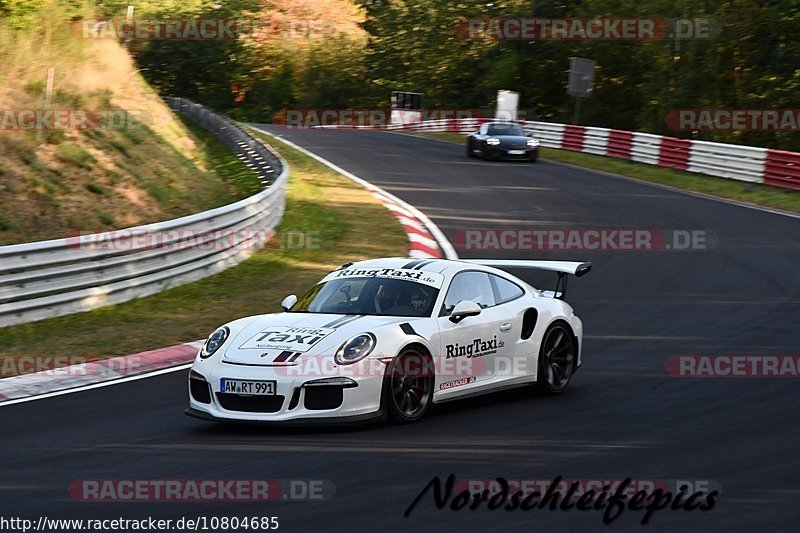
{"type": "Point", "coordinates": [483, 129]}
{"type": "Point", "coordinates": [473, 286]}
{"type": "Point", "coordinates": [506, 290]}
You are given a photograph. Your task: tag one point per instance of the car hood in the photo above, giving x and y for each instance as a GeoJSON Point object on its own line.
{"type": "Point", "coordinates": [283, 338]}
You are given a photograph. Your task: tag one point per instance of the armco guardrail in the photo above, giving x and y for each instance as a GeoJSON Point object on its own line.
{"type": "Point", "coordinates": [61, 276]}
{"type": "Point", "coordinates": [744, 163]}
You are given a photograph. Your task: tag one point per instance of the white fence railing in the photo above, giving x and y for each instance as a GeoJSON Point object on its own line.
{"type": "Point", "coordinates": [728, 161]}
{"type": "Point", "coordinates": [61, 276]}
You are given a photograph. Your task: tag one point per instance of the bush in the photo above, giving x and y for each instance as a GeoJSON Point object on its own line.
{"type": "Point", "coordinates": [75, 155]}
{"type": "Point", "coordinates": [95, 188]}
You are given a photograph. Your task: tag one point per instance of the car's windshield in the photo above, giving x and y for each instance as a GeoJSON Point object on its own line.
{"type": "Point", "coordinates": [369, 296]}
{"type": "Point", "coordinates": [505, 129]}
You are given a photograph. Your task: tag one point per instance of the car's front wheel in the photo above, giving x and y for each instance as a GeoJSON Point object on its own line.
{"type": "Point", "coordinates": [470, 153]}
{"type": "Point", "coordinates": [556, 359]}
{"type": "Point", "coordinates": [408, 386]}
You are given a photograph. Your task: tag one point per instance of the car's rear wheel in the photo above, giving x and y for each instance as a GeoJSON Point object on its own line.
{"type": "Point", "coordinates": [557, 357]}
{"type": "Point", "coordinates": [408, 386]}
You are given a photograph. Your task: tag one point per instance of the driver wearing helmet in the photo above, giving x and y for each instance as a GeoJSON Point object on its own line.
{"type": "Point", "coordinates": [401, 298]}
{"type": "Point", "coordinates": [387, 296]}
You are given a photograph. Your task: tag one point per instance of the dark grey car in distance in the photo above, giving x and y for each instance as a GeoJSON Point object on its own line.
{"type": "Point", "coordinates": [502, 140]}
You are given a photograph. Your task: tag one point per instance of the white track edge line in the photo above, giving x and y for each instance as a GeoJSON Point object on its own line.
{"type": "Point", "coordinates": [444, 244]}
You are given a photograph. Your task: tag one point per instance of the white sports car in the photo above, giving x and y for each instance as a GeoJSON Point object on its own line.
{"type": "Point", "coordinates": [388, 338]}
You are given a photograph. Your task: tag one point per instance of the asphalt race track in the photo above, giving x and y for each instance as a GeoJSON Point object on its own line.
{"type": "Point", "coordinates": [624, 415]}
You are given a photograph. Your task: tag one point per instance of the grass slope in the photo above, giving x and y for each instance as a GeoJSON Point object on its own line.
{"type": "Point", "coordinates": [144, 166]}
{"type": "Point", "coordinates": [341, 221]}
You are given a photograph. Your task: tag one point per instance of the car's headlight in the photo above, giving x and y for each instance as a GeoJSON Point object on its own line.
{"type": "Point", "coordinates": [533, 142]}
{"type": "Point", "coordinates": [355, 349]}
{"type": "Point", "coordinates": [214, 341]}
{"type": "Point", "coordinates": [492, 141]}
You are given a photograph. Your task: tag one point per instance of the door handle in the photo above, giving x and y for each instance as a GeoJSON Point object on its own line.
{"type": "Point", "coordinates": [505, 326]}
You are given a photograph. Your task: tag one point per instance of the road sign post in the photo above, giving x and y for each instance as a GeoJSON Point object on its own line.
{"type": "Point", "coordinates": [581, 79]}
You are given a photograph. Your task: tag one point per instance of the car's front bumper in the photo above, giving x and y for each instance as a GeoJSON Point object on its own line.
{"type": "Point", "coordinates": [500, 152]}
{"type": "Point", "coordinates": [296, 400]}
{"type": "Point", "coordinates": [306, 421]}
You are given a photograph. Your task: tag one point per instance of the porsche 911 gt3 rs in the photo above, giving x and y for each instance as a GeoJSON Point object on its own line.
{"type": "Point", "coordinates": [389, 338]}
{"type": "Point", "coordinates": [502, 140]}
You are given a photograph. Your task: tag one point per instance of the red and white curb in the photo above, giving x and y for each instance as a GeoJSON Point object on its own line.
{"type": "Point", "coordinates": [425, 241]}
{"type": "Point", "coordinates": [94, 374]}
{"type": "Point", "coordinates": [421, 244]}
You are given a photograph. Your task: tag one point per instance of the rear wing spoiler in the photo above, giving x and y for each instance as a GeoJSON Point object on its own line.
{"type": "Point", "coordinates": [562, 268]}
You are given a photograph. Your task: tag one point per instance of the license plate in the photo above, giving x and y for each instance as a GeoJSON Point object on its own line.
{"type": "Point", "coordinates": [250, 388]}
{"type": "Point", "coordinates": [516, 152]}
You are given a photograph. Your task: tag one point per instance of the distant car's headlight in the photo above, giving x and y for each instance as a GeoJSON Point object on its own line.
{"type": "Point", "coordinates": [214, 341]}
{"type": "Point", "coordinates": [533, 142]}
{"type": "Point", "coordinates": [492, 141]}
{"type": "Point", "coordinates": [355, 349]}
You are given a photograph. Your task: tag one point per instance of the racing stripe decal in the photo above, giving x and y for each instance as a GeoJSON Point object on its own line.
{"type": "Point", "coordinates": [423, 263]}
{"type": "Point", "coordinates": [413, 263]}
{"type": "Point", "coordinates": [335, 322]}
{"type": "Point", "coordinates": [287, 357]}
{"type": "Point", "coordinates": [349, 320]}
{"type": "Point", "coordinates": [283, 356]}
{"type": "Point", "coordinates": [342, 321]}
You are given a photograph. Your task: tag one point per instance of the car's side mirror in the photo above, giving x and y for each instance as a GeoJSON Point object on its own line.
{"type": "Point", "coordinates": [463, 309]}
{"type": "Point", "coordinates": [288, 302]}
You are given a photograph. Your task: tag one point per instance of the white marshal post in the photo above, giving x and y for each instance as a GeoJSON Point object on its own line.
{"type": "Point", "coordinates": [507, 102]}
